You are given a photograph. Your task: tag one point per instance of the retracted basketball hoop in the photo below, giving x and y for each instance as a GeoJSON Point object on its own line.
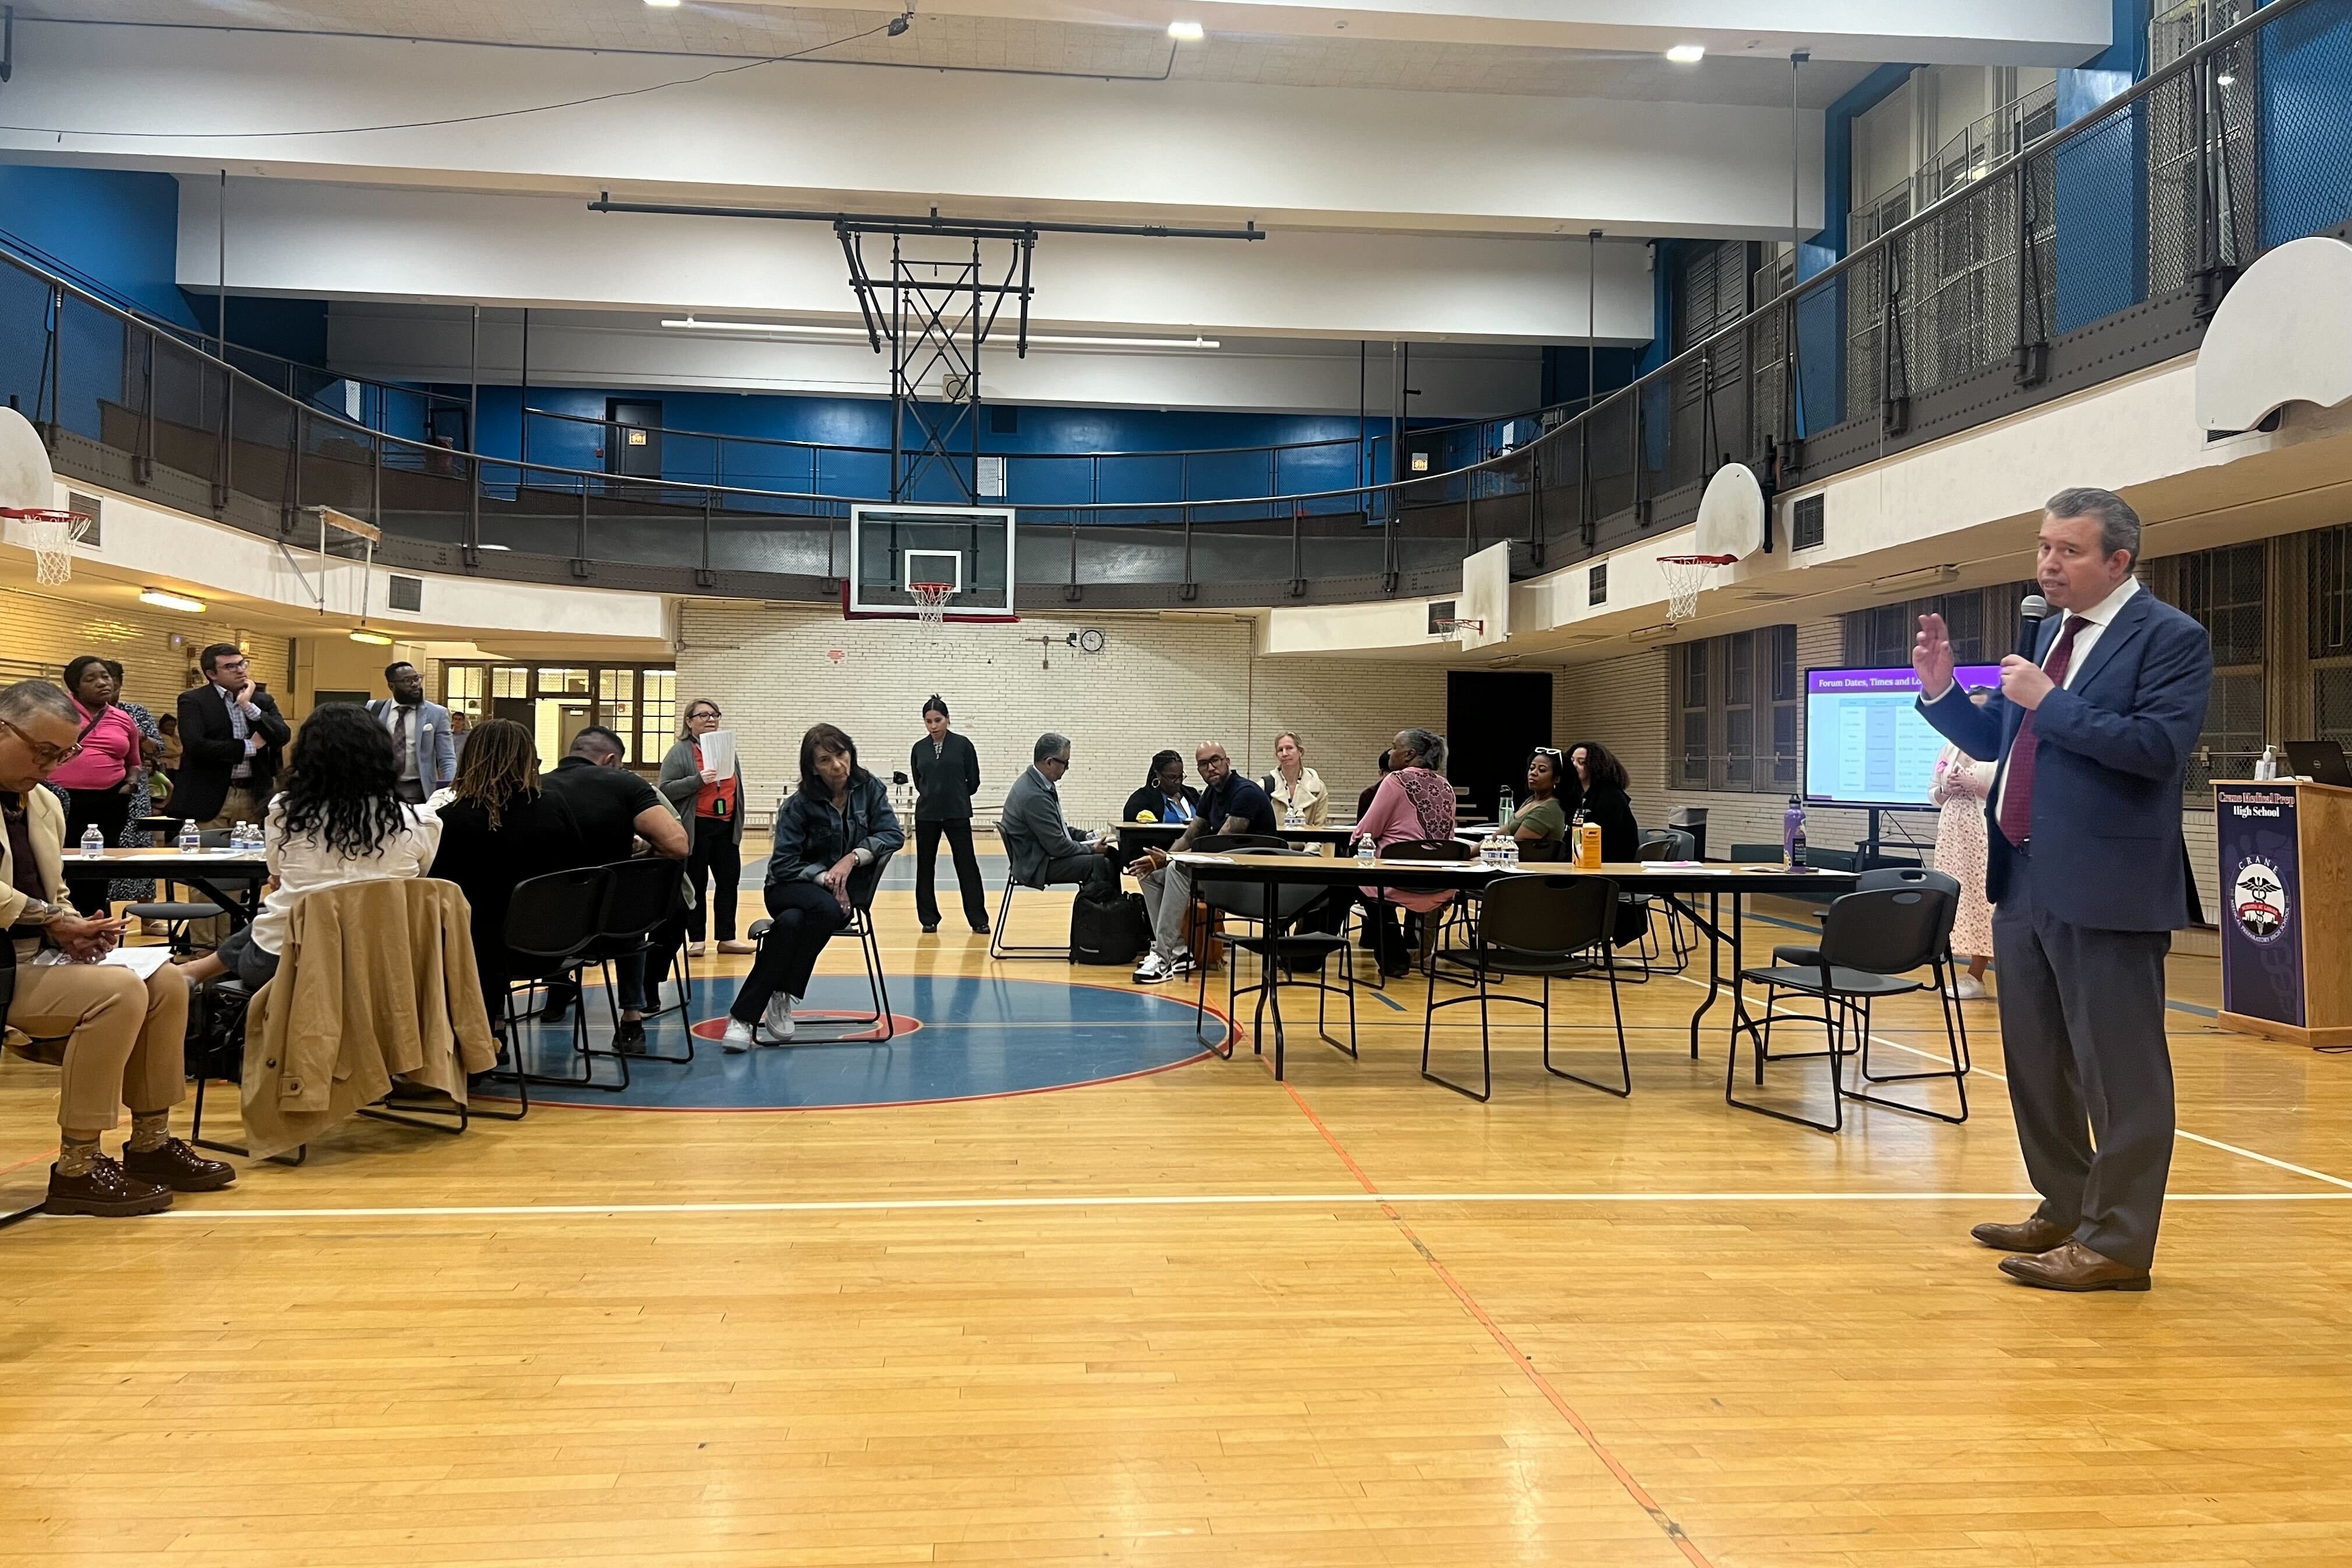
{"type": "Point", "coordinates": [51, 536]}
{"type": "Point", "coordinates": [1686, 576]}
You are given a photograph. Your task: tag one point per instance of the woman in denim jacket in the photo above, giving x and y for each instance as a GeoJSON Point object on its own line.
{"type": "Point", "coordinates": [833, 834]}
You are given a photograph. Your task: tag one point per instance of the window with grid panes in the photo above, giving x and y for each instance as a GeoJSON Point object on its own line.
{"type": "Point", "coordinates": [616, 708]}
{"type": "Point", "coordinates": [2222, 590]}
{"type": "Point", "coordinates": [462, 688]}
{"type": "Point", "coordinates": [1737, 704]}
{"type": "Point", "coordinates": [1982, 623]}
{"type": "Point", "coordinates": [657, 712]}
{"type": "Point", "coordinates": [2328, 640]}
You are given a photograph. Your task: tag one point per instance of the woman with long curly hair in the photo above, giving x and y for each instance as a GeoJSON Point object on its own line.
{"type": "Point", "coordinates": [339, 819]}
{"type": "Point", "coordinates": [500, 828]}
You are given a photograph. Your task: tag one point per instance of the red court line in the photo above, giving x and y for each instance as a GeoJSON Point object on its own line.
{"type": "Point", "coordinates": [1625, 1479]}
{"type": "Point", "coordinates": [33, 1160]}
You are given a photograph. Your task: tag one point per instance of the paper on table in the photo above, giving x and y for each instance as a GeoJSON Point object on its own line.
{"type": "Point", "coordinates": [718, 752]}
{"type": "Point", "coordinates": [1673, 865]}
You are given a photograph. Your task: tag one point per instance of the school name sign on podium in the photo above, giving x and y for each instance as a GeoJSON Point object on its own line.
{"type": "Point", "coordinates": [2286, 894]}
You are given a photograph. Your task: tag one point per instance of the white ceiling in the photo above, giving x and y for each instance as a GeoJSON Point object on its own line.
{"type": "Point", "coordinates": [986, 43]}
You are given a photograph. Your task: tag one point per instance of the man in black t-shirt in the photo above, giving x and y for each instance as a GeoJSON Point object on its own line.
{"type": "Point", "coordinates": [613, 808]}
{"type": "Point", "coordinates": [1231, 804]}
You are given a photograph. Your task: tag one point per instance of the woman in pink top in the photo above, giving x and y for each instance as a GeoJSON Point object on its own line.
{"type": "Point", "coordinates": [97, 779]}
{"type": "Point", "coordinates": [1413, 802]}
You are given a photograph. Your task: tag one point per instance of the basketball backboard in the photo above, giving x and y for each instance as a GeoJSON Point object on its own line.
{"type": "Point", "coordinates": [26, 478]}
{"type": "Point", "coordinates": [1731, 513]}
{"type": "Point", "coordinates": [894, 548]}
{"type": "Point", "coordinates": [1483, 611]}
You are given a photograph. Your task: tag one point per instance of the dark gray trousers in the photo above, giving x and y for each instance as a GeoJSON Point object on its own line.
{"type": "Point", "coordinates": [2090, 1073]}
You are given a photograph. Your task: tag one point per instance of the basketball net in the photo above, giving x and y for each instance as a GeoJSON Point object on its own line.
{"type": "Point", "coordinates": [931, 601]}
{"type": "Point", "coordinates": [1460, 630]}
{"type": "Point", "coordinates": [1686, 577]}
{"type": "Point", "coordinates": [51, 536]}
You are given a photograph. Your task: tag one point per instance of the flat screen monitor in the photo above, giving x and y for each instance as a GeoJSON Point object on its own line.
{"type": "Point", "coordinates": [1865, 743]}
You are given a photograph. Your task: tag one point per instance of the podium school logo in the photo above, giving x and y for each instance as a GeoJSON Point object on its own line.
{"type": "Point", "coordinates": [2257, 899]}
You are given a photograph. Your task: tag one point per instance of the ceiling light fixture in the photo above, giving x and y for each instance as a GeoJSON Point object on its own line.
{"type": "Point", "coordinates": [798, 328]}
{"type": "Point", "coordinates": [665, 4]}
{"type": "Point", "coordinates": [1187, 32]}
{"type": "Point", "coordinates": [898, 24]}
{"type": "Point", "coordinates": [164, 599]}
{"type": "Point", "coordinates": [377, 639]}
{"type": "Point", "coordinates": [1687, 54]}
{"type": "Point", "coordinates": [2225, 79]}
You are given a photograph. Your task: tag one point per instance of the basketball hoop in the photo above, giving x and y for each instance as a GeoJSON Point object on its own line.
{"type": "Point", "coordinates": [51, 536]}
{"type": "Point", "coordinates": [1460, 630]}
{"type": "Point", "coordinates": [931, 601]}
{"type": "Point", "coordinates": [1685, 575]}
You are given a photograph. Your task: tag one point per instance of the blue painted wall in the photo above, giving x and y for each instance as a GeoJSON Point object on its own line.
{"type": "Point", "coordinates": [2306, 100]}
{"type": "Point", "coordinates": [113, 232]}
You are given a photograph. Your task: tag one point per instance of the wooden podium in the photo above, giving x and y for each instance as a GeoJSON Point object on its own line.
{"type": "Point", "coordinates": [2286, 909]}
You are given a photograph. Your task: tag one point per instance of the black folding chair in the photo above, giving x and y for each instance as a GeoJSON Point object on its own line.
{"type": "Point", "coordinates": [175, 915]}
{"type": "Point", "coordinates": [1806, 956]}
{"type": "Point", "coordinates": [1872, 942]}
{"type": "Point", "coordinates": [1452, 915]}
{"type": "Point", "coordinates": [553, 923]}
{"type": "Point", "coordinates": [645, 903]}
{"type": "Point", "coordinates": [1548, 927]}
{"type": "Point", "coordinates": [877, 983]}
{"type": "Point", "coordinates": [1243, 897]}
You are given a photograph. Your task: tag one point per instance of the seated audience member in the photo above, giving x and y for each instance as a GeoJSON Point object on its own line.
{"type": "Point", "coordinates": [99, 778]}
{"type": "Point", "coordinates": [1364, 800]}
{"type": "Point", "coordinates": [1164, 797]}
{"type": "Point", "coordinates": [499, 827]}
{"type": "Point", "coordinates": [1413, 802]}
{"type": "Point", "coordinates": [1045, 850]}
{"type": "Point", "coordinates": [1231, 804]}
{"type": "Point", "coordinates": [124, 1038]}
{"type": "Point", "coordinates": [1295, 786]}
{"type": "Point", "coordinates": [1604, 780]}
{"type": "Point", "coordinates": [1540, 820]}
{"type": "Point", "coordinates": [341, 818]}
{"type": "Point", "coordinates": [612, 808]}
{"type": "Point", "coordinates": [833, 833]}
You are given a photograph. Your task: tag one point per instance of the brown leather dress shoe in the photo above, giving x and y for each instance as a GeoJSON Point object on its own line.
{"type": "Point", "coordinates": [172, 1163]}
{"type": "Point", "coordinates": [104, 1190]}
{"type": "Point", "coordinates": [2033, 1235]}
{"type": "Point", "coordinates": [2075, 1267]}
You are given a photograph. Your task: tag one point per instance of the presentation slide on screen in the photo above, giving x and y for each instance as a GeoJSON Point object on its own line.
{"type": "Point", "coordinates": [1865, 743]}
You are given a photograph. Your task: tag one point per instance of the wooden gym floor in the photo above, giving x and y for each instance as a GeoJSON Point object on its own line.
{"type": "Point", "coordinates": [1197, 1317]}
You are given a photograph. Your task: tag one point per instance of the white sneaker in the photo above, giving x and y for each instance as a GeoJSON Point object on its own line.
{"type": "Point", "coordinates": [1969, 988]}
{"type": "Point", "coordinates": [1153, 970]}
{"type": "Point", "coordinates": [778, 1018]}
{"type": "Point", "coordinates": [739, 1037]}
{"type": "Point", "coordinates": [1182, 963]}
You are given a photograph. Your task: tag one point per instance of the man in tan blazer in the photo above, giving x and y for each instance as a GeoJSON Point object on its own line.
{"type": "Point", "coordinates": [123, 1038]}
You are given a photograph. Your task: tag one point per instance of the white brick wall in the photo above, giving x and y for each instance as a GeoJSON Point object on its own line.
{"type": "Point", "coordinates": [45, 632]}
{"type": "Point", "coordinates": [1159, 683]}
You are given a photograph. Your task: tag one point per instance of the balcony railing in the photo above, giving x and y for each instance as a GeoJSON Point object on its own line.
{"type": "Point", "coordinates": [2095, 251]}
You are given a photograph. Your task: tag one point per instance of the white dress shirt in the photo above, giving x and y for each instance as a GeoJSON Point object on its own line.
{"type": "Point", "coordinates": [2095, 620]}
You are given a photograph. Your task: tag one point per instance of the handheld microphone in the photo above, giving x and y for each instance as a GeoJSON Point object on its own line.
{"type": "Point", "coordinates": [2031, 611]}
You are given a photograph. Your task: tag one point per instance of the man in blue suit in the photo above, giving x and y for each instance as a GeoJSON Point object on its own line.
{"type": "Point", "coordinates": [2088, 880]}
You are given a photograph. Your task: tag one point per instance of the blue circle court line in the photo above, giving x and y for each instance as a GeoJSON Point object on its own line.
{"type": "Point", "coordinates": [979, 1038]}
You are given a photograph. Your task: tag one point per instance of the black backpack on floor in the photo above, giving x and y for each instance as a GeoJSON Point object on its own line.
{"type": "Point", "coordinates": [1108, 931]}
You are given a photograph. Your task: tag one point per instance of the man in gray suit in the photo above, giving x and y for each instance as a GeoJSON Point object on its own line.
{"type": "Point", "coordinates": [1043, 846]}
{"type": "Point", "coordinates": [419, 731]}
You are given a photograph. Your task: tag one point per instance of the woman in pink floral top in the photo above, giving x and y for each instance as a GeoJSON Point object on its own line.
{"type": "Point", "coordinates": [1415, 801]}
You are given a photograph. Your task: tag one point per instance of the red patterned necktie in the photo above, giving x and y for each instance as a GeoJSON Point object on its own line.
{"type": "Point", "coordinates": [2017, 794]}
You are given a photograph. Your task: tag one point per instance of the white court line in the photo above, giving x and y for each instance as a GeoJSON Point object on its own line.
{"type": "Point", "coordinates": [2178, 1132]}
{"type": "Point", "coordinates": [1131, 1200]}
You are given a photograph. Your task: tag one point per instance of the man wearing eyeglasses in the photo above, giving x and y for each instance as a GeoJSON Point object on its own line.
{"type": "Point", "coordinates": [230, 734]}
{"type": "Point", "coordinates": [123, 1037]}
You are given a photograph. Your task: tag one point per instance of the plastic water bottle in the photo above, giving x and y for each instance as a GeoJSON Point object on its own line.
{"type": "Point", "coordinates": [1510, 850]}
{"type": "Point", "coordinates": [1365, 852]}
{"type": "Point", "coordinates": [2267, 768]}
{"type": "Point", "coordinates": [192, 837]}
{"type": "Point", "coordinates": [1294, 817]}
{"type": "Point", "coordinates": [1503, 806]}
{"type": "Point", "coordinates": [1792, 833]}
{"type": "Point", "coordinates": [93, 843]}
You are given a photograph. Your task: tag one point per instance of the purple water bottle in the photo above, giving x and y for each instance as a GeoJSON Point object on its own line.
{"type": "Point", "coordinates": [1792, 834]}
